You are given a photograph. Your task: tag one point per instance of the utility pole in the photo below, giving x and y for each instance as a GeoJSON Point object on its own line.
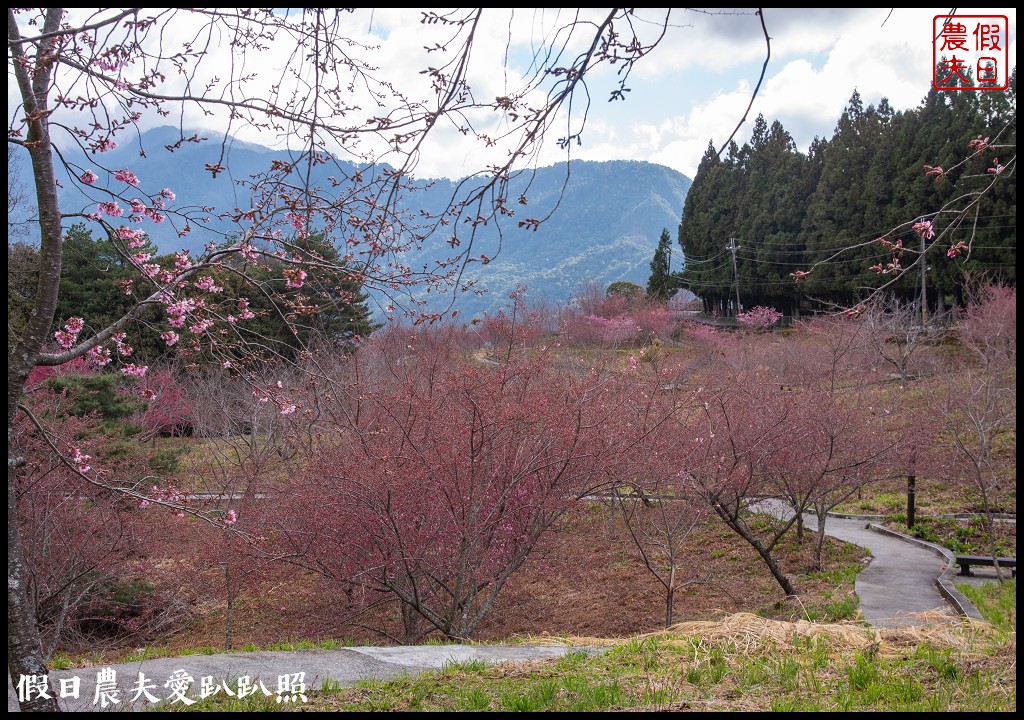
{"type": "Point", "coordinates": [735, 273]}
{"type": "Point", "coordinates": [924, 297]}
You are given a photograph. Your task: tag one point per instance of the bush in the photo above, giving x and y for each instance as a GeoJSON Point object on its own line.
{"type": "Point", "coordinates": [759, 318]}
{"type": "Point", "coordinates": [98, 394]}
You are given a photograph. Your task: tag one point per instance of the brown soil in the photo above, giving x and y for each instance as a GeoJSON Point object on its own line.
{"type": "Point", "coordinates": [584, 579]}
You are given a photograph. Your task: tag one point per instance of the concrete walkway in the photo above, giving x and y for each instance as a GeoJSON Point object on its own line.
{"type": "Point", "coordinates": [904, 577]}
{"type": "Point", "coordinates": [279, 672]}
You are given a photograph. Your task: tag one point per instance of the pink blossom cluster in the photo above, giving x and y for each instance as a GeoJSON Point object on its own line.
{"type": "Point", "coordinates": [169, 495]}
{"type": "Point", "coordinates": [100, 356]}
{"type": "Point", "coordinates": [201, 326]}
{"type": "Point", "coordinates": [127, 177]}
{"type": "Point", "coordinates": [81, 460]}
{"type": "Point", "coordinates": [134, 238]}
{"type": "Point", "coordinates": [66, 338]}
{"type": "Point", "coordinates": [295, 277]}
{"type": "Point", "coordinates": [110, 208]}
{"type": "Point", "coordinates": [244, 312]}
{"type": "Point", "coordinates": [207, 284]}
{"type": "Point", "coordinates": [978, 144]}
{"type": "Point", "coordinates": [889, 268]}
{"type": "Point", "coordinates": [139, 259]}
{"type": "Point", "coordinates": [759, 317]}
{"type": "Point", "coordinates": [957, 249]}
{"type": "Point", "coordinates": [935, 171]}
{"type": "Point", "coordinates": [108, 63]}
{"type": "Point", "coordinates": [132, 370]}
{"type": "Point", "coordinates": [248, 252]}
{"type": "Point", "coordinates": [123, 348]}
{"type": "Point", "coordinates": [924, 229]}
{"type": "Point", "coordinates": [176, 311]}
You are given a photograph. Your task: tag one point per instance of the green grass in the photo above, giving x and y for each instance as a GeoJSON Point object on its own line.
{"type": "Point", "coordinates": [62, 661]}
{"type": "Point", "coordinates": [997, 602]}
{"type": "Point", "coordinates": [959, 535]}
{"type": "Point", "coordinates": [840, 668]}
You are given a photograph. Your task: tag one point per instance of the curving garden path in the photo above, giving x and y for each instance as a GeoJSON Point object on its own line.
{"type": "Point", "coordinates": [905, 577]}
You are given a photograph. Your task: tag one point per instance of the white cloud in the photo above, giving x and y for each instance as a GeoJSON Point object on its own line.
{"type": "Point", "coordinates": [806, 93]}
{"type": "Point", "coordinates": [692, 88]}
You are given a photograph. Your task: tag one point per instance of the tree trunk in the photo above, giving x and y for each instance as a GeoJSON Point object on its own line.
{"type": "Point", "coordinates": [773, 566]}
{"type": "Point", "coordinates": [911, 485]}
{"type": "Point", "coordinates": [670, 595]}
{"type": "Point", "coordinates": [819, 542]}
{"type": "Point", "coordinates": [229, 604]}
{"type": "Point", "coordinates": [24, 651]}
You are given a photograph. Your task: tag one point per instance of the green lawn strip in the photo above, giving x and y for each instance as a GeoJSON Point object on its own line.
{"type": "Point", "coordinates": [748, 666]}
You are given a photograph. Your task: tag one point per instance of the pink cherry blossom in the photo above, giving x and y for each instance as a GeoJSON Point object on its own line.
{"type": "Point", "coordinates": [206, 283]}
{"type": "Point", "coordinates": [126, 176]}
{"type": "Point", "coordinates": [110, 208]}
{"type": "Point", "coordinates": [957, 249]}
{"type": "Point", "coordinates": [81, 460]}
{"type": "Point", "coordinates": [88, 177]}
{"type": "Point", "coordinates": [66, 338]}
{"type": "Point", "coordinates": [132, 370]}
{"type": "Point", "coordinates": [295, 277]}
{"type": "Point", "coordinates": [924, 229]}
{"type": "Point", "coordinates": [99, 355]}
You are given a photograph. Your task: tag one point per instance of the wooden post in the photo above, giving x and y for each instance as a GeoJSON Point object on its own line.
{"type": "Point", "coordinates": [911, 482]}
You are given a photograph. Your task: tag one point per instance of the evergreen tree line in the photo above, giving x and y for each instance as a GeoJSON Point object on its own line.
{"type": "Point", "coordinates": [329, 307]}
{"type": "Point", "coordinates": [788, 211]}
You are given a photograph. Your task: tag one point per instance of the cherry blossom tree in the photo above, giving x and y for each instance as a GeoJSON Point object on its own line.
{"type": "Point", "coordinates": [849, 431]}
{"type": "Point", "coordinates": [81, 540]}
{"type": "Point", "coordinates": [978, 402]}
{"type": "Point", "coordinates": [659, 507]}
{"type": "Point", "coordinates": [897, 332]}
{"type": "Point", "coordinates": [84, 80]}
{"type": "Point", "coordinates": [441, 490]}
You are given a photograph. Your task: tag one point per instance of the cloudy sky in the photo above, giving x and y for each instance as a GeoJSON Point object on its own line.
{"type": "Point", "coordinates": [695, 86]}
{"type": "Point", "coordinates": [691, 89]}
